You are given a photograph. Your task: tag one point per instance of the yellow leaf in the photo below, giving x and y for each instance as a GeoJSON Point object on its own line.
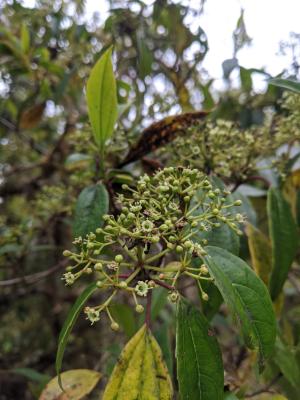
{"type": "Point", "coordinates": [140, 372]}
{"type": "Point", "coordinates": [260, 251]}
{"type": "Point", "coordinates": [77, 383]}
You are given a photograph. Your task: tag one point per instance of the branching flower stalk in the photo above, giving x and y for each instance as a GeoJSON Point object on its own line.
{"type": "Point", "coordinates": [160, 221]}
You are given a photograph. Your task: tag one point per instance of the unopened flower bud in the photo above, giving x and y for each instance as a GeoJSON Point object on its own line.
{"type": "Point", "coordinates": [115, 326]}
{"type": "Point", "coordinates": [205, 296]}
{"type": "Point", "coordinates": [139, 308]}
{"type": "Point", "coordinates": [179, 249]}
{"type": "Point", "coordinates": [119, 258]}
{"type": "Point", "coordinates": [238, 203]}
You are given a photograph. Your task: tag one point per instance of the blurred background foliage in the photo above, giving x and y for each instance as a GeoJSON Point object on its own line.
{"type": "Point", "coordinates": [48, 157]}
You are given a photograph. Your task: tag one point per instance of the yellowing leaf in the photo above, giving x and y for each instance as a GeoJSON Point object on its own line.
{"type": "Point", "coordinates": [269, 396]}
{"type": "Point", "coordinates": [290, 191]}
{"type": "Point", "coordinates": [260, 251]}
{"type": "Point", "coordinates": [32, 116]}
{"type": "Point", "coordinates": [140, 372]}
{"type": "Point", "coordinates": [77, 383]}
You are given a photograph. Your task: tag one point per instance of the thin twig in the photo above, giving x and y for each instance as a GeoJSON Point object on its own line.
{"type": "Point", "coordinates": [33, 278]}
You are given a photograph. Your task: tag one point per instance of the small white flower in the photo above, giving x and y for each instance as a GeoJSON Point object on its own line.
{"type": "Point", "coordinates": [92, 315]}
{"type": "Point", "coordinates": [113, 266]}
{"type": "Point", "coordinates": [142, 288]}
{"type": "Point", "coordinates": [69, 278]}
{"type": "Point", "coordinates": [147, 226]}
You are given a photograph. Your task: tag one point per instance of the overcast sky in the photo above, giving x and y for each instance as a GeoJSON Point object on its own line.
{"type": "Point", "coordinates": [268, 22]}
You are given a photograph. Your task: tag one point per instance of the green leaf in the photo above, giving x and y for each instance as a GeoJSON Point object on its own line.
{"type": "Point", "coordinates": [101, 93]}
{"type": "Point", "coordinates": [246, 296]}
{"type": "Point", "coordinates": [25, 38]}
{"type": "Point", "coordinates": [91, 205]}
{"type": "Point", "coordinates": [288, 84]}
{"type": "Point", "coordinates": [199, 361]}
{"type": "Point", "coordinates": [284, 239]}
{"type": "Point", "coordinates": [230, 396]}
{"type": "Point", "coordinates": [140, 372]}
{"type": "Point", "coordinates": [68, 325]}
{"type": "Point", "coordinates": [124, 316]}
{"type": "Point", "coordinates": [210, 307]}
{"type": "Point", "coordinates": [223, 236]}
{"type": "Point", "coordinates": [77, 384]}
{"type": "Point", "coordinates": [286, 360]}
{"type": "Point", "coordinates": [77, 160]}
{"type": "Point", "coordinates": [32, 375]}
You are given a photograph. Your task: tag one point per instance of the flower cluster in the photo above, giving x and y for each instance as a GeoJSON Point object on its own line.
{"type": "Point", "coordinates": [155, 238]}
{"type": "Point", "coordinates": [233, 153]}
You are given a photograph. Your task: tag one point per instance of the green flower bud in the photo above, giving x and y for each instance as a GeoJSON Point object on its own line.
{"type": "Point", "coordinates": [163, 227]}
{"type": "Point", "coordinates": [215, 211]}
{"type": "Point", "coordinates": [119, 258]}
{"type": "Point", "coordinates": [203, 269]}
{"type": "Point", "coordinates": [98, 267]}
{"type": "Point", "coordinates": [205, 296]}
{"type": "Point", "coordinates": [99, 284]}
{"type": "Point", "coordinates": [179, 249]}
{"type": "Point", "coordinates": [139, 308]}
{"type": "Point", "coordinates": [66, 253]}
{"type": "Point", "coordinates": [123, 285]}
{"type": "Point", "coordinates": [172, 239]}
{"type": "Point", "coordinates": [115, 326]}
{"type": "Point", "coordinates": [238, 203]}
{"type": "Point", "coordinates": [187, 244]}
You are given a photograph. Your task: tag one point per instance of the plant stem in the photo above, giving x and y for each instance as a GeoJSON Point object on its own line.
{"type": "Point", "coordinates": [148, 309]}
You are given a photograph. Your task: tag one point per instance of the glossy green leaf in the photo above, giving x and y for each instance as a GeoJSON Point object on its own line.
{"type": "Point", "coordinates": [284, 238]}
{"type": "Point", "coordinates": [288, 84]}
{"type": "Point", "coordinates": [140, 372]}
{"type": "Point", "coordinates": [68, 325]}
{"type": "Point", "coordinates": [101, 93]}
{"type": "Point", "coordinates": [246, 296]}
{"type": "Point", "coordinates": [77, 383]}
{"type": "Point", "coordinates": [199, 361]}
{"type": "Point", "coordinates": [91, 205]}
